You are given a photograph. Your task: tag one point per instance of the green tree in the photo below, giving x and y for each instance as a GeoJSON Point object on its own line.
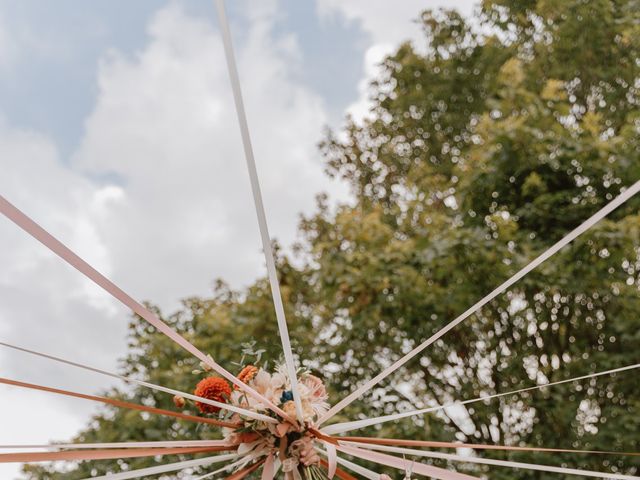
{"type": "Point", "coordinates": [484, 146]}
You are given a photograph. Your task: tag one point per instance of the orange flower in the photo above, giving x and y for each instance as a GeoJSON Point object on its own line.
{"type": "Point", "coordinates": [246, 374]}
{"type": "Point", "coordinates": [212, 388]}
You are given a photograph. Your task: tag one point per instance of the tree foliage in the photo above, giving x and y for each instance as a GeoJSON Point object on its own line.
{"type": "Point", "coordinates": [485, 145]}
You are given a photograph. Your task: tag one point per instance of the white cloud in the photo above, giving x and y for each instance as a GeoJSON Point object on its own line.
{"type": "Point", "coordinates": [383, 21]}
{"type": "Point", "coordinates": [164, 124]}
{"type": "Point", "coordinates": [386, 24]}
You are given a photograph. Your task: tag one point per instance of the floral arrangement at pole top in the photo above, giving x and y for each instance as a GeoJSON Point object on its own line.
{"type": "Point", "coordinates": [292, 446]}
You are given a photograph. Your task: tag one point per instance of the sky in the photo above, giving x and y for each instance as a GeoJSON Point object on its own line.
{"type": "Point", "coordinates": [118, 135]}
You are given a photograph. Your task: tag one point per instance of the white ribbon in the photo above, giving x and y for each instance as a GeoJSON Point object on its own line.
{"type": "Point", "coordinates": [586, 225]}
{"type": "Point", "coordinates": [348, 426]}
{"type": "Point", "coordinates": [332, 459]}
{"type": "Point", "coordinates": [220, 470]}
{"type": "Point", "coordinates": [257, 200]}
{"type": "Point", "coordinates": [170, 467]}
{"type": "Point", "coordinates": [222, 406]}
{"type": "Point", "coordinates": [497, 463]}
{"type": "Point", "coordinates": [365, 472]}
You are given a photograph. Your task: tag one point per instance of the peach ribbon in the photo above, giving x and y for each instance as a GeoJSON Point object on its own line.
{"type": "Point", "coordinates": [119, 403]}
{"type": "Point", "coordinates": [56, 246]}
{"type": "Point", "coordinates": [107, 454]}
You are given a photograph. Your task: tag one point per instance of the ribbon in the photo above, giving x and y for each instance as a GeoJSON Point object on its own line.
{"type": "Point", "coordinates": [503, 463]}
{"type": "Point", "coordinates": [268, 472]}
{"type": "Point", "coordinates": [223, 406]}
{"type": "Point", "coordinates": [432, 444]}
{"type": "Point", "coordinates": [239, 475]}
{"type": "Point", "coordinates": [259, 207]}
{"type": "Point", "coordinates": [332, 459]}
{"type": "Point", "coordinates": [102, 454]}
{"type": "Point", "coordinates": [583, 227]}
{"type": "Point", "coordinates": [118, 403]}
{"type": "Point", "coordinates": [36, 231]}
{"type": "Point", "coordinates": [169, 467]}
{"type": "Point", "coordinates": [220, 470]}
{"type": "Point", "coordinates": [394, 462]}
{"type": "Point", "coordinates": [339, 472]}
{"type": "Point", "coordinates": [365, 472]}
{"type": "Point", "coordinates": [80, 446]}
{"type": "Point", "coordinates": [348, 426]}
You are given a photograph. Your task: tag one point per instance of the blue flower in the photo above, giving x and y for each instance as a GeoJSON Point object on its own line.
{"type": "Point", "coordinates": [286, 396]}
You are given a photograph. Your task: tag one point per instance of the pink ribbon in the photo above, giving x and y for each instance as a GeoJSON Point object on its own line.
{"type": "Point", "coordinates": [268, 471]}
{"type": "Point", "coordinates": [332, 458]}
{"type": "Point", "coordinates": [395, 462]}
{"type": "Point", "coordinates": [104, 446]}
{"type": "Point", "coordinates": [57, 247]}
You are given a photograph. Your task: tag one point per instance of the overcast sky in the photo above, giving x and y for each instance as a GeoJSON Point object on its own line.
{"type": "Point", "coordinates": [117, 134]}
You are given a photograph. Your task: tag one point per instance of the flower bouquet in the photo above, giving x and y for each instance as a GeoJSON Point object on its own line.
{"type": "Point", "coordinates": [287, 444]}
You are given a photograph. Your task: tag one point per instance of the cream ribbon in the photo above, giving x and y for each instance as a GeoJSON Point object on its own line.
{"type": "Point", "coordinates": [170, 467]}
{"type": "Point", "coordinates": [586, 225]}
{"type": "Point", "coordinates": [349, 426]}
{"type": "Point", "coordinates": [259, 207]}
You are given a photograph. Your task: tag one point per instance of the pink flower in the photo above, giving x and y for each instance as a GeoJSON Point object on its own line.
{"type": "Point", "coordinates": [316, 387]}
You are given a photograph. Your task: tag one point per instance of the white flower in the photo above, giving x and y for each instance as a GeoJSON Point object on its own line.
{"type": "Point", "coordinates": [262, 382]}
{"type": "Point", "coordinates": [279, 380]}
